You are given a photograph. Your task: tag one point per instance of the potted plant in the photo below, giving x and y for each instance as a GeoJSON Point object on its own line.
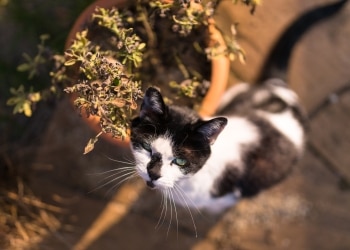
{"type": "Point", "coordinates": [118, 48]}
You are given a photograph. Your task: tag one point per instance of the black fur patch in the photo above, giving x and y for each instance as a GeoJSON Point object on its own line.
{"type": "Point", "coordinates": [228, 181]}
{"type": "Point", "coordinates": [269, 162]}
{"type": "Point", "coordinates": [265, 164]}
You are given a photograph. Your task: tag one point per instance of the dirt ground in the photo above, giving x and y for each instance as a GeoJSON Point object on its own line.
{"type": "Point", "coordinates": [310, 210]}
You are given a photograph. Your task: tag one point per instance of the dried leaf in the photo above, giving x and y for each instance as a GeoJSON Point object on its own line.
{"type": "Point", "coordinates": [241, 57]}
{"type": "Point", "coordinates": [91, 144]}
{"type": "Point", "coordinates": [34, 97]}
{"type": "Point", "coordinates": [23, 67]}
{"type": "Point", "coordinates": [118, 102]}
{"type": "Point", "coordinates": [27, 109]}
{"type": "Point", "coordinates": [70, 62]}
{"type": "Point", "coordinates": [141, 46]}
{"type": "Point", "coordinates": [133, 105]}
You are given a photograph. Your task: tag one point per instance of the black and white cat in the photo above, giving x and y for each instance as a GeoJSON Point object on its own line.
{"type": "Point", "coordinates": [252, 144]}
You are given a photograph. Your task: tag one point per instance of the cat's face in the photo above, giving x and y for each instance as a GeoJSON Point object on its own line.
{"type": "Point", "coordinates": [170, 143]}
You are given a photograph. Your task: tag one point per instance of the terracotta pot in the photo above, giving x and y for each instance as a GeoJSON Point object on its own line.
{"type": "Point", "coordinates": [220, 67]}
{"type": "Point", "coordinates": [85, 16]}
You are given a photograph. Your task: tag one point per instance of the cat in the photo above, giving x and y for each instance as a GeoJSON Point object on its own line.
{"type": "Point", "coordinates": [253, 142]}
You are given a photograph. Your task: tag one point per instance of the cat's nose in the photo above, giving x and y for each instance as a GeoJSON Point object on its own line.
{"type": "Point", "coordinates": [150, 184]}
{"type": "Point", "coordinates": [153, 174]}
{"type": "Point", "coordinates": [154, 166]}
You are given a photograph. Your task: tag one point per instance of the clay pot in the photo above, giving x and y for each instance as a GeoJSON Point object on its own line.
{"type": "Point", "coordinates": [220, 67]}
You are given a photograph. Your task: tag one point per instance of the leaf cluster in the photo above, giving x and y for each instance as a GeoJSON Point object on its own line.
{"type": "Point", "coordinates": [24, 100]}
{"type": "Point", "coordinates": [106, 75]}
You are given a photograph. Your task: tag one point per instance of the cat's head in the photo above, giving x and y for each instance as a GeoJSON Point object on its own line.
{"type": "Point", "coordinates": [170, 142]}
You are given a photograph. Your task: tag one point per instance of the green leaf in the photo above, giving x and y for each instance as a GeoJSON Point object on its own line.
{"type": "Point", "coordinates": [18, 108]}
{"type": "Point", "coordinates": [12, 101]}
{"type": "Point", "coordinates": [32, 73]}
{"type": "Point", "coordinates": [44, 37]}
{"type": "Point", "coordinates": [27, 57]}
{"type": "Point", "coordinates": [23, 67]}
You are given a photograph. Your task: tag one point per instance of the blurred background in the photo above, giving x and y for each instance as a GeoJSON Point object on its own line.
{"type": "Point", "coordinates": [54, 197]}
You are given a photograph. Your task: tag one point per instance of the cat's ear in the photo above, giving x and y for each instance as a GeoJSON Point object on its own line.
{"type": "Point", "coordinates": [153, 105]}
{"type": "Point", "coordinates": [212, 128]}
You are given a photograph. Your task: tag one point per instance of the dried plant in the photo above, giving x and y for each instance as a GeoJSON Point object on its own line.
{"type": "Point", "coordinates": [107, 74]}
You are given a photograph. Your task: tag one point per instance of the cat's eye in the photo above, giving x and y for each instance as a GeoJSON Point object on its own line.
{"type": "Point", "coordinates": [180, 161]}
{"type": "Point", "coordinates": [147, 146]}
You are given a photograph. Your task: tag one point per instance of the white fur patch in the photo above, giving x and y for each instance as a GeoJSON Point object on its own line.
{"type": "Point", "coordinates": [287, 125]}
{"type": "Point", "coordinates": [142, 157]}
{"type": "Point", "coordinates": [163, 145]}
{"type": "Point", "coordinates": [261, 95]}
{"type": "Point", "coordinates": [285, 94]}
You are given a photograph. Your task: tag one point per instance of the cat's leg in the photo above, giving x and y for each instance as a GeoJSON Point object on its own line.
{"type": "Point", "coordinates": [227, 183]}
{"type": "Point", "coordinates": [219, 204]}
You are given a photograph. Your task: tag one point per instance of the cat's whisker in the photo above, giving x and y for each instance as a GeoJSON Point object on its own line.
{"type": "Point", "coordinates": [111, 170]}
{"type": "Point", "coordinates": [186, 198]}
{"type": "Point", "coordinates": [181, 194]}
{"type": "Point", "coordinates": [166, 204]}
{"type": "Point", "coordinates": [114, 174]}
{"type": "Point", "coordinates": [162, 213]}
{"type": "Point", "coordinates": [122, 169]}
{"type": "Point", "coordinates": [110, 181]}
{"type": "Point", "coordinates": [165, 207]}
{"type": "Point", "coordinates": [132, 175]}
{"type": "Point", "coordinates": [171, 212]}
{"type": "Point", "coordinates": [172, 201]}
{"type": "Point", "coordinates": [128, 162]}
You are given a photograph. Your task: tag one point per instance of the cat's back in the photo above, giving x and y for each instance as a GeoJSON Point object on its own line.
{"type": "Point", "coordinates": [271, 104]}
{"type": "Point", "coordinates": [263, 139]}
{"type": "Point", "coordinates": [271, 96]}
